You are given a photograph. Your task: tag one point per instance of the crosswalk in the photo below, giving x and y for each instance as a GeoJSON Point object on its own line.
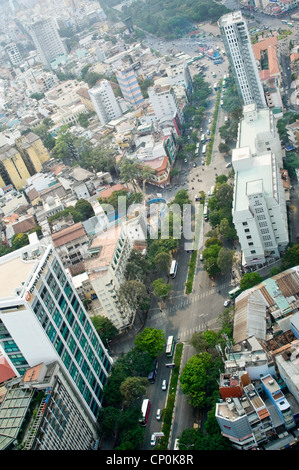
{"type": "Point", "coordinates": [183, 301]}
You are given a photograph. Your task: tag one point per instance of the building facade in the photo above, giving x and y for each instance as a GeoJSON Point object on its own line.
{"type": "Point", "coordinates": [164, 102]}
{"type": "Point", "coordinates": [58, 421]}
{"type": "Point", "coordinates": [104, 102]}
{"type": "Point", "coordinates": [47, 41]}
{"type": "Point", "coordinates": [23, 159]}
{"type": "Point", "coordinates": [236, 39]}
{"type": "Point", "coordinates": [42, 319]}
{"type": "Point", "coordinates": [129, 86]}
{"type": "Point", "coordinates": [259, 205]}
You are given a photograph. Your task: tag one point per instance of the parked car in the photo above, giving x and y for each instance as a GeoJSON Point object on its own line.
{"type": "Point", "coordinates": [153, 440]}
{"type": "Point", "coordinates": [201, 257]}
{"type": "Point", "coordinates": [158, 414]}
{"type": "Point", "coordinates": [228, 165]}
{"type": "Point", "coordinates": [226, 303]}
{"type": "Point", "coordinates": [164, 385]}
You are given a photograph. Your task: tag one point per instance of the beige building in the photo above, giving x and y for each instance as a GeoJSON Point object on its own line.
{"type": "Point", "coordinates": [108, 256]}
{"type": "Point", "coordinates": [23, 159]}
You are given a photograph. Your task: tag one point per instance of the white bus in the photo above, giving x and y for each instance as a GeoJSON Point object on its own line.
{"type": "Point", "coordinates": [173, 268]}
{"type": "Point", "coordinates": [206, 213]}
{"type": "Point", "coordinates": [204, 150]}
{"type": "Point", "coordinates": [170, 346]}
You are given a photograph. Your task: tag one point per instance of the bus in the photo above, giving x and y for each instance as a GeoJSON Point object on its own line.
{"type": "Point", "coordinates": [235, 292]}
{"type": "Point", "coordinates": [145, 409]}
{"type": "Point", "coordinates": [290, 24]}
{"type": "Point", "coordinates": [206, 213]}
{"type": "Point", "coordinates": [284, 21]}
{"type": "Point", "coordinates": [170, 346]}
{"type": "Point", "coordinates": [203, 138]}
{"type": "Point", "coordinates": [173, 269]}
{"type": "Point", "coordinates": [204, 150]}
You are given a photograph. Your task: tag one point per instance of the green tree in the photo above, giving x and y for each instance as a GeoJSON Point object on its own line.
{"type": "Point", "coordinates": [250, 280]}
{"type": "Point", "coordinates": [151, 340]}
{"type": "Point", "coordinates": [225, 259]}
{"type": "Point", "coordinates": [104, 327]}
{"type": "Point", "coordinates": [19, 240]}
{"type": "Point", "coordinates": [161, 289]}
{"type": "Point", "coordinates": [84, 208]}
{"type": "Point", "coordinates": [163, 262]}
{"type": "Point", "coordinates": [223, 148]}
{"type": "Point", "coordinates": [132, 293]}
{"type": "Point", "coordinates": [194, 379]}
{"type": "Point", "coordinates": [291, 257]}
{"type": "Point", "coordinates": [108, 418]}
{"type": "Point", "coordinates": [132, 388]}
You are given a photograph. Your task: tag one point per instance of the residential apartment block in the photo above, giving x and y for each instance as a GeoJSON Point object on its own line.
{"type": "Point", "coordinates": [104, 102]}
{"type": "Point", "coordinates": [129, 86]}
{"type": "Point", "coordinates": [21, 160]}
{"type": "Point", "coordinates": [58, 421]}
{"type": "Point", "coordinates": [47, 41]}
{"type": "Point", "coordinates": [236, 39]}
{"type": "Point", "coordinates": [43, 320]}
{"type": "Point", "coordinates": [106, 264]}
{"type": "Point", "coordinates": [164, 102]}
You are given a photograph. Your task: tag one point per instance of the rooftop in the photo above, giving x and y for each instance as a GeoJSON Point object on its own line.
{"type": "Point", "coordinates": [13, 273]}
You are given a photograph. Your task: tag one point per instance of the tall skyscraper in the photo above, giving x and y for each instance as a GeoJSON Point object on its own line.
{"type": "Point", "coordinates": [42, 319]}
{"type": "Point", "coordinates": [104, 102]}
{"type": "Point", "coordinates": [129, 86]}
{"type": "Point", "coordinates": [13, 54]}
{"type": "Point", "coordinates": [236, 39]}
{"type": "Point", "coordinates": [47, 41]}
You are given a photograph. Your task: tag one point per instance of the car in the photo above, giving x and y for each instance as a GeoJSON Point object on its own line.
{"type": "Point", "coordinates": [208, 131]}
{"type": "Point", "coordinates": [228, 165]}
{"type": "Point", "coordinates": [194, 165]}
{"type": "Point", "coordinates": [201, 257]}
{"type": "Point", "coordinates": [158, 414]}
{"type": "Point", "coordinates": [153, 440]}
{"type": "Point", "coordinates": [226, 303]}
{"type": "Point", "coordinates": [209, 121]}
{"type": "Point", "coordinates": [164, 385]}
{"type": "Point", "coordinates": [185, 160]}
{"type": "Point", "coordinates": [201, 129]}
{"type": "Point", "coordinates": [202, 163]}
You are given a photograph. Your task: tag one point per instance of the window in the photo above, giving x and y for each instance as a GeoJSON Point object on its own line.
{"type": "Point", "coordinates": [253, 252]}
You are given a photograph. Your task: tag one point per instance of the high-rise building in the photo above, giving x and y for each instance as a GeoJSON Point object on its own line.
{"type": "Point", "coordinates": [13, 54]}
{"type": "Point", "coordinates": [104, 102]}
{"type": "Point", "coordinates": [259, 205]}
{"type": "Point", "coordinates": [164, 102]}
{"type": "Point", "coordinates": [47, 41]}
{"type": "Point", "coordinates": [58, 420]}
{"type": "Point", "coordinates": [236, 39]}
{"type": "Point", "coordinates": [129, 86]}
{"type": "Point", "coordinates": [42, 319]}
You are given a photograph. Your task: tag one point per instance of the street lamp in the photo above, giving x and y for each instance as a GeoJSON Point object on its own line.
{"type": "Point", "coordinates": [187, 446]}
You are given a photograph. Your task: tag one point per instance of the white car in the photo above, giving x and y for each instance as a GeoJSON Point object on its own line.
{"type": "Point", "coordinates": [158, 414]}
{"type": "Point", "coordinates": [201, 257]}
{"type": "Point", "coordinates": [164, 385]}
{"type": "Point", "coordinates": [226, 303]}
{"type": "Point", "coordinates": [153, 440]}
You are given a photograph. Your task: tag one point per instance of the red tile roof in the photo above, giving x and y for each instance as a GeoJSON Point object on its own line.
{"type": "Point", "coordinates": [68, 234]}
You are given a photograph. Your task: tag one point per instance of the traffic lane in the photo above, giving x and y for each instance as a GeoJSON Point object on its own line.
{"type": "Point", "coordinates": [158, 399]}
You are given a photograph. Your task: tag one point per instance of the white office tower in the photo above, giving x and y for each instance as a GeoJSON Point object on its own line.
{"type": "Point", "coordinates": [236, 39]}
{"type": "Point", "coordinates": [47, 41]}
{"type": "Point", "coordinates": [164, 102]}
{"type": "Point", "coordinates": [42, 319]}
{"type": "Point", "coordinates": [259, 206]}
{"type": "Point", "coordinates": [104, 102]}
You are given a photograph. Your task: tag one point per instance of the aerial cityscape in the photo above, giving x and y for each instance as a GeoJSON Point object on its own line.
{"type": "Point", "coordinates": [149, 250]}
